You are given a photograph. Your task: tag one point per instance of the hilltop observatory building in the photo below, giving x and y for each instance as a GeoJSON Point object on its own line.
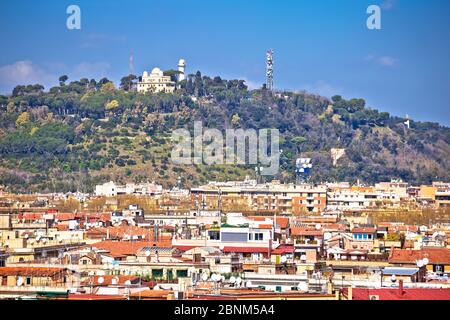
{"type": "Point", "coordinates": [181, 67]}
{"type": "Point", "coordinates": [156, 81]}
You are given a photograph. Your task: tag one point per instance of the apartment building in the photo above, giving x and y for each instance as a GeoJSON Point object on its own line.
{"type": "Point", "coordinates": [270, 197]}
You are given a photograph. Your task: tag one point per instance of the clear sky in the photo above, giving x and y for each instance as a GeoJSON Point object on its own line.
{"type": "Point", "coordinates": [320, 46]}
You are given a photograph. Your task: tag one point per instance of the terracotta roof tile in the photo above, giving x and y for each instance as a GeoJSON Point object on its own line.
{"type": "Point", "coordinates": [434, 255]}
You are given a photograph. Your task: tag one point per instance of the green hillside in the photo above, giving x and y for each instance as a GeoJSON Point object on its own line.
{"type": "Point", "coordinates": [85, 132]}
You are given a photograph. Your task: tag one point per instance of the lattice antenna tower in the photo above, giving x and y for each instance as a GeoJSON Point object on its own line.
{"type": "Point", "coordinates": [269, 69]}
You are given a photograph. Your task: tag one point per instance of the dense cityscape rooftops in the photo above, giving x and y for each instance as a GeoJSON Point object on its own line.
{"type": "Point", "coordinates": [232, 240]}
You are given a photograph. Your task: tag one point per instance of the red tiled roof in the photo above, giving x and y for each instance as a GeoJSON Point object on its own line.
{"type": "Point", "coordinates": [282, 249]}
{"type": "Point", "coordinates": [283, 222]}
{"type": "Point", "coordinates": [94, 297]}
{"type": "Point", "coordinates": [364, 230]}
{"type": "Point", "coordinates": [121, 248]}
{"type": "Point", "coordinates": [62, 227]}
{"type": "Point", "coordinates": [434, 255]}
{"type": "Point", "coordinates": [186, 248]}
{"type": "Point", "coordinates": [408, 294]}
{"type": "Point", "coordinates": [30, 271]}
{"type": "Point", "coordinates": [264, 226]}
{"type": "Point", "coordinates": [31, 215]}
{"type": "Point", "coordinates": [152, 294]}
{"type": "Point", "coordinates": [119, 232]}
{"type": "Point", "coordinates": [257, 218]}
{"type": "Point", "coordinates": [303, 231]}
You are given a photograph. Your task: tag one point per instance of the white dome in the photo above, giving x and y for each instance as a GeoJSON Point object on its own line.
{"type": "Point", "coordinates": [157, 71]}
{"type": "Point", "coordinates": [145, 74]}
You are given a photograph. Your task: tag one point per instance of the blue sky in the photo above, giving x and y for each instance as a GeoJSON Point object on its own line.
{"type": "Point", "coordinates": [320, 46]}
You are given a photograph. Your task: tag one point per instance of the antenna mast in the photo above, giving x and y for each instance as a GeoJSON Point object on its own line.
{"type": "Point", "coordinates": [269, 69]}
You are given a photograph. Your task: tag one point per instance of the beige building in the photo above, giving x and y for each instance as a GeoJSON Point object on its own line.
{"type": "Point", "coordinates": [155, 82]}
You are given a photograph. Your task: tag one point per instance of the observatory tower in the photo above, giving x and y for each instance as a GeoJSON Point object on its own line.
{"type": "Point", "coordinates": [181, 66]}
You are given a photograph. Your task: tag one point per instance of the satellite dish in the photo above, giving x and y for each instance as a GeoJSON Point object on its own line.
{"type": "Point", "coordinates": [248, 284]}
{"type": "Point", "coordinates": [393, 278]}
{"type": "Point", "coordinates": [26, 236]}
{"type": "Point", "coordinates": [204, 277]}
{"type": "Point", "coordinates": [238, 280]}
{"type": "Point", "coordinates": [147, 253]}
{"type": "Point", "coordinates": [38, 238]}
{"type": "Point", "coordinates": [318, 226]}
{"type": "Point", "coordinates": [425, 261]}
{"type": "Point", "coordinates": [283, 259]}
{"type": "Point", "coordinates": [19, 281]}
{"type": "Point", "coordinates": [128, 282]}
{"type": "Point", "coordinates": [327, 236]}
{"type": "Point", "coordinates": [232, 279]}
{"type": "Point", "coordinates": [419, 263]}
{"type": "Point", "coordinates": [303, 257]}
{"type": "Point", "coordinates": [115, 280]}
{"type": "Point", "coordinates": [156, 287]}
{"type": "Point", "coordinates": [101, 280]}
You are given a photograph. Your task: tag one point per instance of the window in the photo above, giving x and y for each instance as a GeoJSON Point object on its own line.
{"type": "Point", "coordinates": [250, 236]}
{"type": "Point", "coordinates": [259, 236]}
{"type": "Point", "coordinates": [28, 281]}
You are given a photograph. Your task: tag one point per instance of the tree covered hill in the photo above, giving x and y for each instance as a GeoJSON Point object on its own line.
{"type": "Point", "coordinates": [85, 132]}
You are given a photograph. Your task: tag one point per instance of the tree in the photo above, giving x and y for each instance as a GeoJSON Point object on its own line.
{"type": "Point", "coordinates": [127, 83]}
{"type": "Point", "coordinates": [108, 87]}
{"type": "Point", "coordinates": [113, 104]}
{"type": "Point", "coordinates": [235, 120]}
{"type": "Point", "coordinates": [62, 80]}
{"type": "Point", "coordinates": [173, 74]}
{"type": "Point", "coordinates": [198, 84]}
{"type": "Point", "coordinates": [10, 108]}
{"type": "Point", "coordinates": [23, 119]}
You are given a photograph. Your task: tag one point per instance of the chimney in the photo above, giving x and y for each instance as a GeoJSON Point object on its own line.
{"type": "Point", "coordinates": [400, 288]}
